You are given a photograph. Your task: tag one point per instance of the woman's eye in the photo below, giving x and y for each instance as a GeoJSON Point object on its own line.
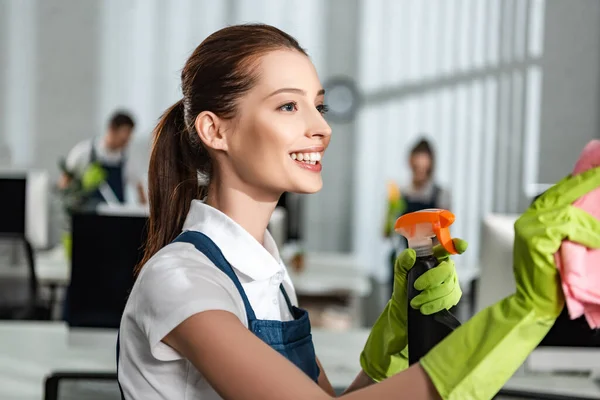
{"type": "Point", "coordinates": [322, 109]}
{"type": "Point", "coordinates": [289, 107]}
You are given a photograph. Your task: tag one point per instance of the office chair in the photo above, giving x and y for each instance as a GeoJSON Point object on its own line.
{"type": "Point", "coordinates": [12, 226]}
{"type": "Point", "coordinates": [81, 385]}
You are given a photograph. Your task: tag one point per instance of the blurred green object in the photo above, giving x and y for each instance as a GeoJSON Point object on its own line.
{"type": "Point", "coordinates": [386, 351]}
{"type": "Point", "coordinates": [93, 177]}
{"type": "Point", "coordinates": [396, 205]}
{"type": "Point", "coordinates": [477, 359]}
{"type": "Point", "coordinates": [78, 192]}
{"type": "Point", "coordinates": [67, 242]}
{"type": "Point", "coordinates": [80, 188]}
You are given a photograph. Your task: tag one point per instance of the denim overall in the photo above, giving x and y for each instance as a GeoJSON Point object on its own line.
{"type": "Point", "coordinates": [291, 339]}
{"type": "Point", "coordinates": [114, 178]}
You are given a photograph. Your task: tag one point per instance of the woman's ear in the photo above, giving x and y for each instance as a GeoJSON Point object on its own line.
{"type": "Point", "coordinates": [208, 126]}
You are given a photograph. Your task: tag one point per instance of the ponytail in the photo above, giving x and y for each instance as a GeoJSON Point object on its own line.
{"type": "Point", "coordinates": [175, 162]}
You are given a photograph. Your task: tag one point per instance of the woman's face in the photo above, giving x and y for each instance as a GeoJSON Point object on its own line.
{"type": "Point", "coordinates": [277, 140]}
{"type": "Point", "coordinates": [420, 164]}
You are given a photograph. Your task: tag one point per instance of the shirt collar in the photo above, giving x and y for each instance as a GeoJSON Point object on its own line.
{"type": "Point", "coordinates": [240, 248]}
{"type": "Point", "coordinates": [425, 191]}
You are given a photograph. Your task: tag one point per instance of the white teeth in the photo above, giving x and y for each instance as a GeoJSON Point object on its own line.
{"type": "Point", "coordinates": [311, 158]}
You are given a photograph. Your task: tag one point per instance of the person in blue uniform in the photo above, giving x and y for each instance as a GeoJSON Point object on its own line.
{"type": "Point", "coordinates": [109, 154]}
{"type": "Point", "coordinates": [421, 193]}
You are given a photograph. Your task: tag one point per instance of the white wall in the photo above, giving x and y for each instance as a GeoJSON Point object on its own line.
{"type": "Point", "coordinates": [571, 92]}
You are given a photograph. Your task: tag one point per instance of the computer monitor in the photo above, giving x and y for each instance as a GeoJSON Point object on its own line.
{"type": "Point", "coordinates": [569, 346]}
{"type": "Point", "coordinates": [106, 247]}
{"type": "Point", "coordinates": [13, 201]}
{"type": "Point", "coordinates": [24, 205]}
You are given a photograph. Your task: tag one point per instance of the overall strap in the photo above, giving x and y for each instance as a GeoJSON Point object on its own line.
{"type": "Point", "coordinates": [119, 383]}
{"type": "Point", "coordinates": [207, 247]}
{"type": "Point", "coordinates": [435, 197]}
{"type": "Point", "coordinates": [93, 154]}
{"type": "Point", "coordinates": [123, 160]}
{"type": "Point", "coordinates": [287, 299]}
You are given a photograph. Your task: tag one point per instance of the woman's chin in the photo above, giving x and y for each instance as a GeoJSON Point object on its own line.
{"type": "Point", "coordinates": [305, 187]}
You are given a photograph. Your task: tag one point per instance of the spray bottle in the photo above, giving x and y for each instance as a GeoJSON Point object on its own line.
{"type": "Point", "coordinates": [419, 228]}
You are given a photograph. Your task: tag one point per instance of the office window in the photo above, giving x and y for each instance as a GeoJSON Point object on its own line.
{"type": "Point", "coordinates": [465, 73]}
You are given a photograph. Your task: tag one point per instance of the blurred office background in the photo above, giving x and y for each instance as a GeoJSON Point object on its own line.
{"type": "Point", "coordinates": [506, 90]}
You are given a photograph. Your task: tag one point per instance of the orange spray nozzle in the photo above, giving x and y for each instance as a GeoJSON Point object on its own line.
{"type": "Point", "coordinates": [425, 224]}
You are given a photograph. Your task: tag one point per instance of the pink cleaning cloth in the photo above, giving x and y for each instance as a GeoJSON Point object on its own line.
{"type": "Point", "coordinates": [579, 266]}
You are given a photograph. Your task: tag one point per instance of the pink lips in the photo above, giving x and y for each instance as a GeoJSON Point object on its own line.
{"type": "Point", "coordinates": [311, 167]}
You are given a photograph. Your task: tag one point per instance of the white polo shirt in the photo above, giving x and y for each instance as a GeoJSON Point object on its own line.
{"type": "Point", "coordinates": [178, 282]}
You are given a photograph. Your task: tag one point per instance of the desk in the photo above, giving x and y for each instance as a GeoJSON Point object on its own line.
{"type": "Point", "coordinates": [334, 274]}
{"type": "Point", "coordinates": [326, 273]}
{"type": "Point", "coordinates": [558, 387]}
{"type": "Point", "coordinates": [29, 351]}
{"type": "Point", "coordinates": [52, 267]}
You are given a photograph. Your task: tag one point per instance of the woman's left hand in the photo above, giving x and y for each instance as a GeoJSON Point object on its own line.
{"type": "Point", "coordinates": [440, 289]}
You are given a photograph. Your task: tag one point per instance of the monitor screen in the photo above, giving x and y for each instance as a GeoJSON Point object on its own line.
{"type": "Point", "coordinates": [105, 250]}
{"type": "Point", "coordinates": [571, 333]}
{"type": "Point", "coordinates": [13, 205]}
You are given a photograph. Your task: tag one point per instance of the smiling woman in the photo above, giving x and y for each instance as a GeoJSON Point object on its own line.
{"type": "Point", "coordinates": [213, 312]}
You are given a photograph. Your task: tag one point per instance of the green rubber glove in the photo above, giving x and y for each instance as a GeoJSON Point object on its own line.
{"type": "Point", "coordinates": [93, 177]}
{"type": "Point", "coordinates": [479, 357]}
{"type": "Point", "coordinates": [385, 353]}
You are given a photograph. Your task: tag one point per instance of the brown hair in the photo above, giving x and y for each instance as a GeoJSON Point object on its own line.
{"type": "Point", "coordinates": [121, 118]}
{"type": "Point", "coordinates": [424, 147]}
{"type": "Point", "coordinates": [218, 73]}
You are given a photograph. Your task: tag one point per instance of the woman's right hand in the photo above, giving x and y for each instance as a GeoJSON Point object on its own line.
{"type": "Point", "coordinates": [539, 233]}
{"type": "Point", "coordinates": [479, 357]}
{"type": "Point", "coordinates": [386, 350]}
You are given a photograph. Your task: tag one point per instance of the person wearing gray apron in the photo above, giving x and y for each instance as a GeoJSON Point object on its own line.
{"type": "Point", "coordinates": [424, 193]}
{"type": "Point", "coordinates": [414, 204]}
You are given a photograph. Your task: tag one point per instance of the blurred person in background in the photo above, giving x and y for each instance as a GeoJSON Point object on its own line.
{"type": "Point", "coordinates": [421, 193]}
{"type": "Point", "coordinates": [104, 160]}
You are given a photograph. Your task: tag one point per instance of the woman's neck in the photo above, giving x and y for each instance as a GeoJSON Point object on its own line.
{"type": "Point", "coordinates": [250, 213]}
{"type": "Point", "coordinates": [420, 184]}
